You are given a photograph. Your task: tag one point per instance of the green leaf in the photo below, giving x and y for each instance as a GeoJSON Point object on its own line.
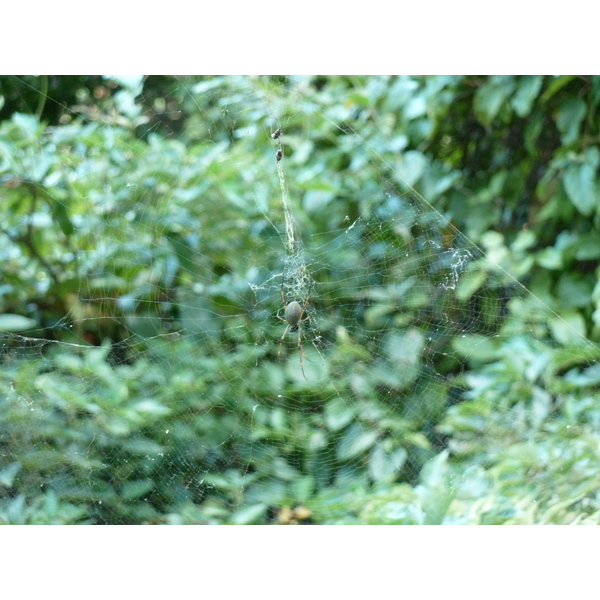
{"type": "Point", "coordinates": [16, 510]}
{"type": "Point", "coordinates": [11, 322]}
{"type": "Point", "coordinates": [315, 200]}
{"type": "Point", "coordinates": [569, 328]}
{"type": "Point", "coordinates": [478, 347]}
{"type": "Point", "coordinates": [587, 247]}
{"type": "Point", "coordinates": [40, 165]}
{"type": "Point", "coordinates": [28, 124]}
{"type": "Point", "coordinates": [570, 115]}
{"type": "Point", "coordinates": [61, 215]}
{"type": "Point", "coordinates": [406, 347]}
{"type": "Point", "coordinates": [411, 167]}
{"type": "Point", "coordinates": [403, 350]}
{"type": "Point", "coordinates": [556, 86]}
{"type": "Point", "coordinates": [143, 446]}
{"type": "Point", "coordinates": [125, 101]}
{"type": "Point", "coordinates": [397, 506]}
{"type": "Point", "coordinates": [249, 514]}
{"type": "Point", "coordinates": [490, 97]}
{"type": "Point", "coordinates": [435, 491]}
{"type": "Point", "coordinates": [579, 181]}
{"type": "Point", "coordinates": [355, 441]}
{"type": "Point", "coordinates": [550, 258]}
{"type": "Point", "coordinates": [383, 465]}
{"type": "Point", "coordinates": [528, 88]}
{"type": "Point", "coordinates": [130, 82]}
{"type": "Point", "coordinates": [151, 406]}
{"type": "Point", "coordinates": [574, 289]}
{"type": "Point", "coordinates": [303, 488]}
{"type": "Point", "coordinates": [415, 107]}
{"type": "Point", "coordinates": [469, 283]}
{"type": "Point", "coordinates": [131, 490]}
{"type": "Point", "coordinates": [435, 471]}
{"type": "Point", "coordinates": [338, 413]}
{"type": "Point", "coordinates": [7, 475]}
{"type": "Point", "coordinates": [533, 129]}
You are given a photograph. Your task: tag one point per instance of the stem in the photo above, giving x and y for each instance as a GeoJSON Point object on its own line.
{"type": "Point", "coordinates": [43, 96]}
{"type": "Point", "coordinates": [27, 239]}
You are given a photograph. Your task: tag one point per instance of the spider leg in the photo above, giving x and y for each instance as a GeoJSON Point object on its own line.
{"type": "Point", "coordinates": [282, 338]}
{"type": "Point", "coordinates": [301, 352]}
{"type": "Point", "coordinates": [282, 296]}
{"type": "Point", "coordinates": [304, 309]}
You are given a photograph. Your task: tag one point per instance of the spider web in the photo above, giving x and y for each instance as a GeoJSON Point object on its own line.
{"type": "Point", "coordinates": [152, 238]}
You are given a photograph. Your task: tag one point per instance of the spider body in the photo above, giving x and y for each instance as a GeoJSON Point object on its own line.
{"type": "Point", "coordinates": [293, 313]}
{"type": "Point", "coordinates": [276, 133]}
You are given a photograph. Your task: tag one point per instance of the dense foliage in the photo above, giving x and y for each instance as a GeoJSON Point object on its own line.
{"type": "Point", "coordinates": [135, 210]}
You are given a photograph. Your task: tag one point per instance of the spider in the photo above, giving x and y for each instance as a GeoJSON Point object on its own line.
{"type": "Point", "coordinates": [293, 317]}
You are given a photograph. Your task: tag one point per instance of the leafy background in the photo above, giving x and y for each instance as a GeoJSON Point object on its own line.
{"type": "Point", "coordinates": [108, 415]}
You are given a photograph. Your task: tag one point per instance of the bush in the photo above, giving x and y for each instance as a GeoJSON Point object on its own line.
{"type": "Point", "coordinates": [449, 358]}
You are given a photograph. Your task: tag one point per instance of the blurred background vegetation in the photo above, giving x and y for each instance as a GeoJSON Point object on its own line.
{"type": "Point", "coordinates": [451, 351]}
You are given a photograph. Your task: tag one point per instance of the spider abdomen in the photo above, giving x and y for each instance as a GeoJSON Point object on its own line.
{"type": "Point", "coordinates": [293, 312]}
